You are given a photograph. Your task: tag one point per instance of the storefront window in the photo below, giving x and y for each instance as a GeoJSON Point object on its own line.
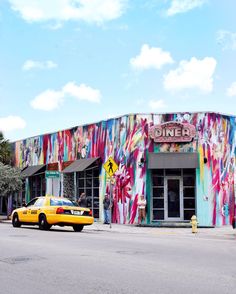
{"type": "Point", "coordinates": [158, 172]}
{"type": "Point", "coordinates": [189, 180]}
{"type": "Point", "coordinates": [89, 173]}
{"type": "Point", "coordinates": [88, 182]}
{"type": "Point", "coordinates": [158, 203]}
{"type": "Point", "coordinates": [158, 214]}
{"type": "Point", "coordinates": [188, 213]}
{"type": "Point", "coordinates": [43, 186]}
{"type": "Point", "coordinates": [37, 186]}
{"type": "Point", "coordinates": [158, 194]}
{"type": "Point", "coordinates": [158, 181]}
{"type": "Point", "coordinates": [161, 189]}
{"type": "Point", "coordinates": [189, 203]}
{"type": "Point", "coordinates": [173, 172]}
{"type": "Point", "coordinates": [23, 190]}
{"type": "Point", "coordinates": [189, 193]}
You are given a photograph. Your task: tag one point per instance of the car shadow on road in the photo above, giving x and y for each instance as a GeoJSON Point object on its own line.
{"type": "Point", "coordinates": [57, 230]}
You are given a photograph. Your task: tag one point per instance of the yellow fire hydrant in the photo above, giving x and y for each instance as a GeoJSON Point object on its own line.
{"type": "Point", "coordinates": [194, 223]}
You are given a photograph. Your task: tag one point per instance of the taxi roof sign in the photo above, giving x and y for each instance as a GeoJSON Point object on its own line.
{"type": "Point", "coordinates": [110, 166]}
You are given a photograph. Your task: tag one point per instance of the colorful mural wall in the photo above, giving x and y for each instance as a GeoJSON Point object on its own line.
{"type": "Point", "coordinates": [126, 139]}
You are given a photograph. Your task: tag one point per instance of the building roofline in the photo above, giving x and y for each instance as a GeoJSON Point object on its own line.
{"type": "Point", "coordinates": [123, 115]}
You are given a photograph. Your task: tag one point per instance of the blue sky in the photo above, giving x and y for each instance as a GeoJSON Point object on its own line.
{"type": "Point", "coordinates": [65, 63]}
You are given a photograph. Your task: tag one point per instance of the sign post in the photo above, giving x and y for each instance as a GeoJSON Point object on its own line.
{"type": "Point", "coordinates": [52, 174]}
{"type": "Point", "coordinates": [110, 204]}
{"type": "Point", "coordinates": [110, 167]}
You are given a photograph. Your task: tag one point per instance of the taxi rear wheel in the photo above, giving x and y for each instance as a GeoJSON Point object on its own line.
{"type": "Point", "coordinates": [15, 221]}
{"type": "Point", "coordinates": [78, 228]}
{"type": "Point", "coordinates": [43, 224]}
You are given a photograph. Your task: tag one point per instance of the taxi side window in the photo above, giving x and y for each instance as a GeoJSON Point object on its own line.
{"type": "Point", "coordinates": [32, 202]}
{"type": "Point", "coordinates": [39, 202]}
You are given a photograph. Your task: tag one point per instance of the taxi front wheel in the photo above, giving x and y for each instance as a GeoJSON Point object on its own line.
{"type": "Point", "coordinates": [43, 224]}
{"type": "Point", "coordinates": [15, 221]}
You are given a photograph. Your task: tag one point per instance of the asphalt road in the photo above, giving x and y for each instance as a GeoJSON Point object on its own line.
{"type": "Point", "coordinates": [115, 261]}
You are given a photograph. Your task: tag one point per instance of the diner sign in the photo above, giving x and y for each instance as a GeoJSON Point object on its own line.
{"type": "Point", "coordinates": [172, 132]}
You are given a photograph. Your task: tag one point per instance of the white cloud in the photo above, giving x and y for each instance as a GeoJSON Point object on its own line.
{"type": "Point", "coordinates": [156, 104]}
{"type": "Point", "coordinates": [32, 64]}
{"type": "Point", "coordinates": [48, 100]}
{"type": "Point", "coordinates": [181, 6]}
{"type": "Point", "coordinates": [231, 91]}
{"type": "Point", "coordinates": [91, 11]}
{"type": "Point", "coordinates": [82, 92]}
{"type": "Point", "coordinates": [151, 57]}
{"type": "Point", "coordinates": [51, 99]}
{"type": "Point", "coordinates": [226, 39]}
{"type": "Point", "coordinates": [192, 74]}
{"type": "Point", "coordinates": [11, 123]}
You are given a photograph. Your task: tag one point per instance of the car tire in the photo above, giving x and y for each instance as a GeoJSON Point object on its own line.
{"type": "Point", "coordinates": [43, 224]}
{"type": "Point", "coordinates": [78, 228]}
{"type": "Point", "coordinates": [15, 221]}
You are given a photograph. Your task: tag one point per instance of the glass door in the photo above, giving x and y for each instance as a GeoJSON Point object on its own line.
{"type": "Point", "coordinates": [173, 198]}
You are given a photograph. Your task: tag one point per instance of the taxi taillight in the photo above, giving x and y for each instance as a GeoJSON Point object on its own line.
{"type": "Point", "coordinates": [60, 210]}
{"type": "Point", "coordinates": [90, 213]}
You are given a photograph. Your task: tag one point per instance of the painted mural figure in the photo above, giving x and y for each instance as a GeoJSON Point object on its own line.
{"type": "Point", "coordinates": [225, 209]}
{"type": "Point", "coordinates": [37, 151]}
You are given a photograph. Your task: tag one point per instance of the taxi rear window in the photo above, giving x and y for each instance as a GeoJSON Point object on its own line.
{"type": "Point", "coordinates": [61, 202]}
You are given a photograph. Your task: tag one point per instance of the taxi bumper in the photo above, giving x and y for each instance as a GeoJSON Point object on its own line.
{"type": "Point", "coordinates": [69, 219]}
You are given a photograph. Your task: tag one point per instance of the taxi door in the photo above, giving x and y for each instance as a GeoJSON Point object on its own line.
{"type": "Point", "coordinates": [35, 210]}
{"type": "Point", "coordinates": [25, 213]}
{"type": "Point", "coordinates": [22, 213]}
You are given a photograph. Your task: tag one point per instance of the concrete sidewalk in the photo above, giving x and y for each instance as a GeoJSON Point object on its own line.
{"type": "Point", "coordinates": [3, 218]}
{"type": "Point", "coordinates": [130, 228]}
{"type": "Point", "coordinates": [226, 233]}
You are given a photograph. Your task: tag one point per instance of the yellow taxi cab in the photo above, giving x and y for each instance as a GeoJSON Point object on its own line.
{"type": "Point", "coordinates": [47, 211]}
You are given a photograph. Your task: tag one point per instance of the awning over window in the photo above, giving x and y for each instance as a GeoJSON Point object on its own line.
{"type": "Point", "coordinates": [80, 165]}
{"type": "Point", "coordinates": [32, 170]}
{"type": "Point", "coordinates": [164, 160]}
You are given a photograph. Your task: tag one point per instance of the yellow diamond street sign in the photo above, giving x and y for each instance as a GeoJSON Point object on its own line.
{"type": "Point", "coordinates": [110, 166]}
